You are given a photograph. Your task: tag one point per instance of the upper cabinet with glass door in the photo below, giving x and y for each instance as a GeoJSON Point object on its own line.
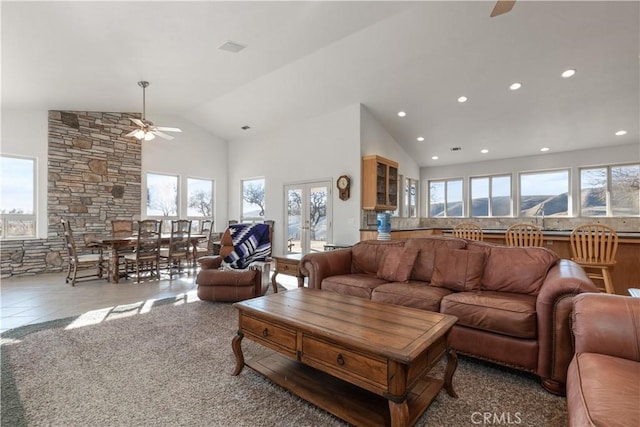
{"type": "Point", "coordinates": [379, 183]}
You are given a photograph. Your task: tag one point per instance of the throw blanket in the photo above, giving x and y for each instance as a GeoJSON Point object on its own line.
{"type": "Point", "coordinates": [250, 243]}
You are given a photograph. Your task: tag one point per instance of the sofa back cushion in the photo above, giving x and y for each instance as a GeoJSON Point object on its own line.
{"type": "Point", "coordinates": [458, 269]}
{"type": "Point", "coordinates": [397, 264]}
{"type": "Point", "coordinates": [423, 267]}
{"type": "Point", "coordinates": [514, 269]}
{"type": "Point", "coordinates": [367, 255]}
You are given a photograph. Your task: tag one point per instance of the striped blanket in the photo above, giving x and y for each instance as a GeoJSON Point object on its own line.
{"type": "Point", "coordinates": [250, 243]}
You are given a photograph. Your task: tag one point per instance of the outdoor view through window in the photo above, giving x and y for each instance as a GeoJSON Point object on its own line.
{"type": "Point", "coordinates": [17, 197]}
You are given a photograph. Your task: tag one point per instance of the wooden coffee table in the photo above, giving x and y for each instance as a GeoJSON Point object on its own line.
{"type": "Point", "coordinates": [363, 361]}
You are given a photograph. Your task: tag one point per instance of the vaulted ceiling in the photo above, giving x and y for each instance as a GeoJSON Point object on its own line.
{"type": "Point", "coordinates": [304, 59]}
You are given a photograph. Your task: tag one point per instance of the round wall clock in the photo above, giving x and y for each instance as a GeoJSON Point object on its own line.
{"type": "Point", "coordinates": [344, 185]}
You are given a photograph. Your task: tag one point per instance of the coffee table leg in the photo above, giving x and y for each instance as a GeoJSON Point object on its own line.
{"type": "Point", "coordinates": [274, 283]}
{"type": "Point", "coordinates": [399, 413]}
{"type": "Point", "coordinates": [237, 351]}
{"type": "Point", "coordinates": [452, 365]}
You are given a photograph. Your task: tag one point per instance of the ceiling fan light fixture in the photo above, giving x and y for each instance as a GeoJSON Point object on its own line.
{"type": "Point", "coordinates": [148, 136]}
{"type": "Point", "coordinates": [139, 134]}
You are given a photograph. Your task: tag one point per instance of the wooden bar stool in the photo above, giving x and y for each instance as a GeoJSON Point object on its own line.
{"type": "Point", "coordinates": [594, 247]}
{"type": "Point", "coordinates": [468, 230]}
{"type": "Point", "coordinates": [524, 234]}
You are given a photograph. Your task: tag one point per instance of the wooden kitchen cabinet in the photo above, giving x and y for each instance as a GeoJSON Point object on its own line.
{"type": "Point", "coordinates": [379, 183]}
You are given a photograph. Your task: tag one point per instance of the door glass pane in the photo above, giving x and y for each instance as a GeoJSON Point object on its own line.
{"type": "Point", "coordinates": [294, 219]}
{"type": "Point", "coordinates": [318, 217]}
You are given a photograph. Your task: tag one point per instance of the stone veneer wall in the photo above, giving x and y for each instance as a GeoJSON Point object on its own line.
{"type": "Point", "coordinates": [94, 176]}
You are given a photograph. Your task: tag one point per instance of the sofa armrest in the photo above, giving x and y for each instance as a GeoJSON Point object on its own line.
{"type": "Point", "coordinates": [319, 265]}
{"type": "Point", "coordinates": [554, 304]}
{"type": "Point", "coordinates": [210, 262]}
{"type": "Point", "coordinates": [607, 324]}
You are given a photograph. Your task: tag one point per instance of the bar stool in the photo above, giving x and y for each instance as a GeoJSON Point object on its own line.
{"type": "Point", "coordinates": [594, 247]}
{"type": "Point", "coordinates": [468, 230]}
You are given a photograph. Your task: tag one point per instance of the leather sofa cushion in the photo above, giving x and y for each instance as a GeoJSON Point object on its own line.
{"type": "Point", "coordinates": [458, 269]}
{"type": "Point", "coordinates": [412, 294]}
{"type": "Point", "coordinates": [603, 390]}
{"type": "Point", "coordinates": [423, 267]}
{"type": "Point", "coordinates": [357, 285]}
{"type": "Point", "coordinates": [397, 264]}
{"type": "Point", "coordinates": [514, 269]}
{"type": "Point", "coordinates": [226, 278]}
{"type": "Point", "coordinates": [500, 312]}
{"type": "Point", "coordinates": [367, 255]}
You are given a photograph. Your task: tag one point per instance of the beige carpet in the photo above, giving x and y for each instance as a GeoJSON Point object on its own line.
{"type": "Point", "coordinates": [171, 364]}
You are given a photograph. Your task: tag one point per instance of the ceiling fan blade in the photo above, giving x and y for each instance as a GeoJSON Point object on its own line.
{"type": "Point", "coordinates": [132, 133]}
{"type": "Point", "coordinates": [166, 129]}
{"type": "Point", "coordinates": [137, 121]}
{"type": "Point", "coordinates": [502, 6]}
{"type": "Point", "coordinates": [162, 135]}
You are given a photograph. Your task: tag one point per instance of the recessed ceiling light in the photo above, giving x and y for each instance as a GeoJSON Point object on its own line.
{"type": "Point", "coordinates": [401, 113]}
{"type": "Point", "coordinates": [568, 73]}
{"type": "Point", "coordinates": [420, 138]}
{"type": "Point", "coordinates": [544, 149]}
{"type": "Point", "coordinates": [515, 86]}
{"type": "Point", "coordinates": [484, 151]}
{"type": "Point", "coordinates": [462, 99]}
{"type": "Point", "coordinates": [434, 158]}
{"type": "Point", "coordinates": [621, 132]}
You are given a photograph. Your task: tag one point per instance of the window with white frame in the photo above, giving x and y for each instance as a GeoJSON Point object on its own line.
{"type": "Point", "coordinates": [199, 198]}
{"type": "Point", "coordinates": [410, 198]}
{"type": "Point", "coordinates": [445, 198]}
{"type": "Point", "coordinates": [253, 198]}
{"type": "Point", "coordinates": [17, 197]}
{"type": "Point", "coordinates": [610, 190]}
{"type": "Point", "coordinates": [162, 196]}
{"type": "Point", "coordinates": [490, 196]}
{"type": "Point", "coordinates": [544, 193]}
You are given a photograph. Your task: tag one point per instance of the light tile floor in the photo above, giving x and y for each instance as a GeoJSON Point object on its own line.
{"type": "Point", "coordinates": [43, 297]}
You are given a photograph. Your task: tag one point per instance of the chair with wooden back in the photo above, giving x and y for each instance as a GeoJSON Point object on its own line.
{"type": "Point", "coordinates": [76, 261]}
{"type": "Point", "coordinates": [468, 230]}
{"type": "Point", "coordinates": [594, 247]}
{"type": "Point", "coordinates": [179, 248]}
{"type": "Point", "coordinates": [524, 234]}
{"type": "Point", "coordinates": [121, 227]}
{"type": "Point", "coordinates": [204, 246]}
{"type": "Point", "coordinates": [146, 256]}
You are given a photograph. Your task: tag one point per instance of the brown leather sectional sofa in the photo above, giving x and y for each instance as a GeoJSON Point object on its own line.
{"type": "Point", "coordinates": [603, 382]}
{"type": "Point", "coordinates": [513, 304]}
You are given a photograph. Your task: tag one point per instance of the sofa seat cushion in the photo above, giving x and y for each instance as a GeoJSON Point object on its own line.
{"type": "Point", "coordinates": [226, 277]}
{"type": "Point", "coordinates": [411, 294]}
{"type": "Point", "coordinates": [603, 390]}
{"type": "Point", "coordinates": [500, 312]}
{"type": "Point", "coordinates": [358, 285]}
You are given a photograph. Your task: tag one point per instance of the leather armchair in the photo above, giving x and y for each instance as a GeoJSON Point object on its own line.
{"type": "Point", "coordinates": [215, 284]}
{"type": "Point", "coordinates": [603, 380]}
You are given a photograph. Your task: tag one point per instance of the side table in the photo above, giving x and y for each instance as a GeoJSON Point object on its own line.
{"type": "Point", "coordinates": [289, 265]}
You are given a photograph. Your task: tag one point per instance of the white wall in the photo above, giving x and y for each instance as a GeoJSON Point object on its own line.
{"type": "Point", "coordinates": [376, 140]}
{"type": "Point", "coordinates": [572, 159]}
{"type": "Point", "coordinates": [321, 148]}
{"type": "Point", "coordinates": [24, 133]}
{"type": "Point", "coordinates": [194, 153]}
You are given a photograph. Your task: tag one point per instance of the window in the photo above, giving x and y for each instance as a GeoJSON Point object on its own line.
{"type": "Point", "coordinates": [544, 193]}
{"type": "Point", "coordinates": [491, 196]}
{"type": "Point", "coordinates": [252, 199]}
{"type": "Point", "coordinates": [410, 198]}
{"type": "Point", "coordinates": [17, 197]}
{"type": "Point", "coordinates": [445, 198]}
{"type": "Point", "coordinates": [162, 196]}
{"type": "Point", "coordinates": [610, 191]}
{"type": "Point", "coordinates": [199, 198]}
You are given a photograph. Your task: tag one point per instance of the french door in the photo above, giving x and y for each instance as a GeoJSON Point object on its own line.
{"type": "Point", "coordinates": [308, 208]}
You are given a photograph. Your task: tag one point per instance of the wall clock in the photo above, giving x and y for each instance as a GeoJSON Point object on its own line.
{"type": "Point", "coordinates": [344, 186]}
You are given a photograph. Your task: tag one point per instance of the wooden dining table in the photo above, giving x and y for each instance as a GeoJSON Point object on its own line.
{"type": "Point", "coordinates": [117, 244]}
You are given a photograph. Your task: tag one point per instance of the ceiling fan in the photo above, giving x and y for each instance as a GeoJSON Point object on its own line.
{"type": "Point", "coordinates": [148, 130]}
{"type": "Point", "coordinates": [502, 6]}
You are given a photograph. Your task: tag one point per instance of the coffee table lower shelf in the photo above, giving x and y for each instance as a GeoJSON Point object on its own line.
{"type": "Point", "coordinates": [344, 400]}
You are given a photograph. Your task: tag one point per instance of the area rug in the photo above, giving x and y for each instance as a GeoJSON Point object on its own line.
{"type": "Point", "coordinates": [169, 363]}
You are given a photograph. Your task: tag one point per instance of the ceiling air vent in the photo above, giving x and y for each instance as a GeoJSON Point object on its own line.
{"type": "Point", "coordinates": [230, 46]}
{"type": "Point", "coordinates": [245, 127]}
{"type": "Point", "coordinates": [455, 148]}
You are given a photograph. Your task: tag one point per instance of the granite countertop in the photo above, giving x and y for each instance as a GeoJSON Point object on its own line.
{"type": "Point", "coordinates": [550, 233]}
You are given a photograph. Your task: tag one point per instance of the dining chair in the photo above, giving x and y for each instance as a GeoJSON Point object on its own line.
{"type": "Point", "coordinates": [146, 256]}
{"type": "Point", "coordinates": [594, 248]}
{"type": "Point", "coordinates": [524, 234]}
{"type": "Point", "coordinates": [179, 248]}
{"type": "Point", "coordinates": [205, 246]}
{"type": "Point", "coordinates": [121, 227]}
{"type": "Point", "coordinates": [468, 230]}
{"type": "Point", "coordinates": [94, 261]}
